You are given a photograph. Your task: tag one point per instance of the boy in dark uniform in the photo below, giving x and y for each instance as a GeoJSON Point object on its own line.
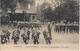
{"type": "Point", "coordinates": [15, 36]}
{"type": "Point", "coordinates": [26, 36]}
{"type": "Point", "coordinates": [47, 37]}
{"type": "Point", "coordinates": [35, 37]}
{"type": "Point", "coordinates": [8, 35]}
{"type": "Point", "coordinates": [3, 37]}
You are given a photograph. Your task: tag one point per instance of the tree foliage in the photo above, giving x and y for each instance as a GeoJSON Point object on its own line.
{"type": "Point", "coordinates": [68, 11]}
{"type": "Point", "coordinates": [8, 4]}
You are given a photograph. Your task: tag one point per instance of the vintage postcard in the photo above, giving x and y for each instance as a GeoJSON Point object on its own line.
{"type": "Point", "coordinates": [39, 24]}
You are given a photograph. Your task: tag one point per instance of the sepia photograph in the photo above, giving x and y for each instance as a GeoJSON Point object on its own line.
{"type": "Point", "coordinates": [39, 24]}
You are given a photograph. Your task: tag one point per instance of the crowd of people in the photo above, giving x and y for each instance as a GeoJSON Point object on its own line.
{"type": "Point", "coordinates": [34, 35]}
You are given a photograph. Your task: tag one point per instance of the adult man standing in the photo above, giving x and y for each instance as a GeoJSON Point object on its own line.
{"type": "Point", "coordinates": [49, 29]}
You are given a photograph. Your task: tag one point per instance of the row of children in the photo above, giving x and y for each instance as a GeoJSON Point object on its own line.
{"type": "Point", "coordinates": [35, 36]}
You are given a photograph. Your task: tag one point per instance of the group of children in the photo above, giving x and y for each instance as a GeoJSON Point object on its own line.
{"type": "Point", "coordinates": [34, 34]}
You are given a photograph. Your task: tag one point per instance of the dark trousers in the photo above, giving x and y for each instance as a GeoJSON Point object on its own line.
{"type": "Point", "coordinates": [48, 41]}
{"type": "Point", "coordinates": [25, 40]}
{"type": "Point", "coordinates": [36, 41]}
{"type": "Point", "coordinates": [16, 40]}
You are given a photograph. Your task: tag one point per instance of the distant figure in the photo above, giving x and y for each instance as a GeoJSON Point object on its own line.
{"type": "Point", "coordinates": [15, 36]}
{"type": "Point", "coordinates": [26, 36]}
{"type": "Point", "coordinates": [35, 37]}
{"type": "Point", "coordinates": [47, 37]}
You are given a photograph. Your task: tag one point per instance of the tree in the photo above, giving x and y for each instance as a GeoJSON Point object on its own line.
{"type": "Point", "coordinates": [68, 11]}
{"type": "Point", "coordinates": [45, 11]}
{"type": "Point", "coordinates": [12, 5]}
{"type": "Point", "coordinates": [8, 4]}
